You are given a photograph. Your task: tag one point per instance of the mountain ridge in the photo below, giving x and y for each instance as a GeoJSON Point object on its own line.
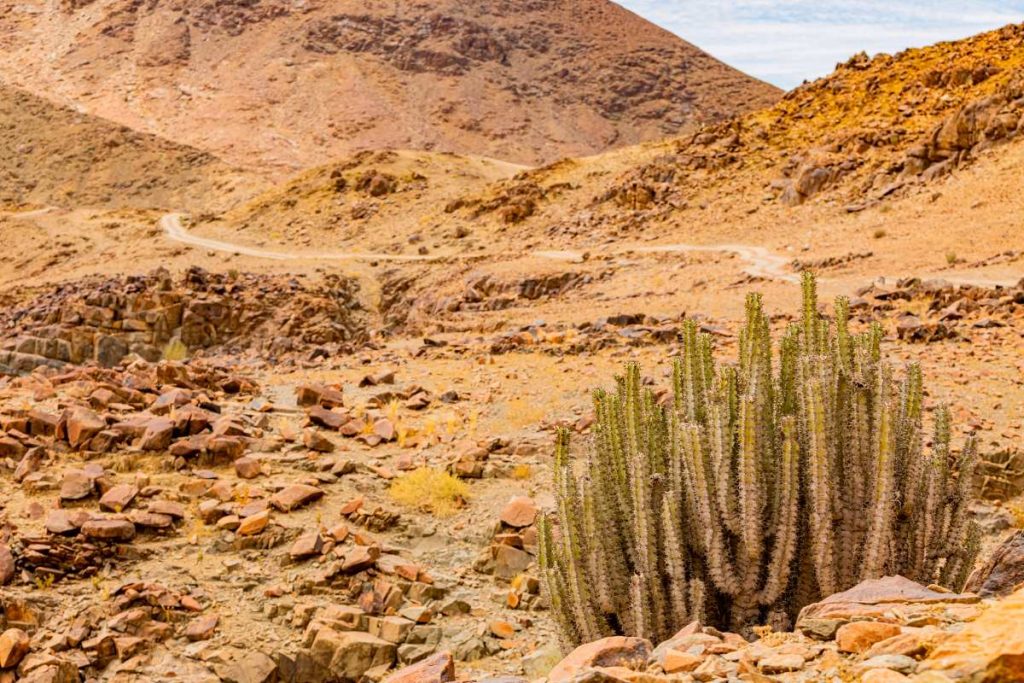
{"type": "Point", "coordinates": [290, 85]}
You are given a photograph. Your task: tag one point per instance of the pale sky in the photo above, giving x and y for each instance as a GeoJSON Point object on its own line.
{"type": "Point", "coordinates": [787, 41]}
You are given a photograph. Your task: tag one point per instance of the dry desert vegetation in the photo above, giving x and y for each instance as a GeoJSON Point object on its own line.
{"type": "Point", "coordinates": [508, 341]}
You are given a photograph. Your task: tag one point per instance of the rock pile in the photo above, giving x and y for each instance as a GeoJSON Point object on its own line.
{"type": "Point", "coordinates": [881, 631]}
{"type": "Point", "coordinates": [105, 320]}
{"type": "Point", "coordinates": [951, 310]}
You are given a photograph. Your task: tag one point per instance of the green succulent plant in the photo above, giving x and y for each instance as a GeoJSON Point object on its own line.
{"type": "Point", "coordinates": [758, 488]}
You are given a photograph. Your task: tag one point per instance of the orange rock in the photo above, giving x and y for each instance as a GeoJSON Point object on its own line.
{"type": "Point", "coordinates": [439, 668]}
{"type": "Point", "coordinates": [14, 645]}
{"type": "Point", "coordinates": [859, 636]}
{"type": "Point", "coordinates": [247, 467]}
{"type": "Point", "coordinates": [988, 649]}
{"type": "Point", "coordinates": [677, 662]}
{"type": "Point", "coordinates": [253, 524]}
{"type": "Point", "coordinates": [502, 629]}
{"type": "Point", "coordinates": [519, 512]}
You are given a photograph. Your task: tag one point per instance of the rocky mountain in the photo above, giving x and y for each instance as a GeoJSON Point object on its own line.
{"type": "Point", "coordinates": [293, 83]}
{"type": "Point", "coordinates": [873, 130]}
{"type": "Point", "coordinates": [57, 156]}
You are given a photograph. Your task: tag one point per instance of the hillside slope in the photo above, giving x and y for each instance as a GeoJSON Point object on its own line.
{"type": "Point", "coordinates": [55, 156]}
{"type": "Point", "coordinates": [875, 129]}
{"type": "Point", "coordinates": [289, 85]}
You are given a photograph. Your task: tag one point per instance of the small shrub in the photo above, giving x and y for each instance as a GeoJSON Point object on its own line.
{"type": "Point", "coordinates": [762, 487]}
{"type": "Point", "coordinates": [175, 350]}
{"type": "Point", "coordinates": [522, 471]}
{"type": "Point", "coordinates": [430, 490]}
{"type": "Point", "coordinates": [951, 258]}
{"type": "Point", "coordinates": [880, 233]}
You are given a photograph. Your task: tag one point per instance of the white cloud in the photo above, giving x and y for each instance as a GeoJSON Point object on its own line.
{"type": "Point", "coordinates": [788, 41]}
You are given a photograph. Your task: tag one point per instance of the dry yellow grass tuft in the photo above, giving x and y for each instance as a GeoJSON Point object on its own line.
{"type": "Point", "coordinates": [431, 490]}
{"type": "Point", "coordinates": [175, 350]}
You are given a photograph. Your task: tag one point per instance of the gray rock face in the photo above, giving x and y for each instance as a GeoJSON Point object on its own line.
{"type": "Point", "coordinates": [1003, 572]}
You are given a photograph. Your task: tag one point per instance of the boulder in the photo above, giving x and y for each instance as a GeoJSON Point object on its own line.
{"type": "Point", "coordinates": [509, 562]}
{"type": "Point", "coordinates": [109, 530]}
{"type": "Point", "coordinates": [202, 628]}
{"type": "Point", "coordinates": [322, 417]}
{"type": "Point", "coordinates": [347, 655]}
{"type": "Point", "coordinates": [158, 434]}
{"type": "Point", "coordinates": [247, 467]}
{"type": "Point", "coordinates": [82, 425]}
{"type": "Point", "coordinates": [859, 636]}
{"type": "Point", "coordinates": [76, 485]}
{"type": "Point", "coordinates": [873, 598]}
{"type": "Point", "coordinates": [519, 512]}
{"type": "Point", "coordinates": [295, 496]}
{"type": "Point", "coordinates": [14, 645]}
{"type": "Point", "coordinates": [612, 651]}
{"type": "Point", "coordinates": [1003, 572]}
{"type": "Point", "coordinates": [250, 666]}
{"type": "Point", "coordinates": [7, 568]}
{"type": "Point", "coordinates": [315, 441]}
{"type": "Point", "coordinates": [119, 497]}
{"type": "Point", "coordinates": [253, 524]}
{"type": "Point", "coordinates": [991, 648]}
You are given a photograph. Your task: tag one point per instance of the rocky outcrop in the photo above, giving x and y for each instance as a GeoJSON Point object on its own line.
{"type": "Point", "coordinates": [1003, 572]}
{"type": "Point", "coordinates": [103, 321]}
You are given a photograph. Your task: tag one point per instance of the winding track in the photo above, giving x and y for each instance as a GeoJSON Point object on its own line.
{"type": "Point", "coordinates": [762, 263]}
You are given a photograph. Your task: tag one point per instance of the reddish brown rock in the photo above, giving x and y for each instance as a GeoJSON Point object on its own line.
{"type": "Point", "coordinates": [29, 463]}
{"type": "Point", "coordinates": [109, 530]}
{"type": "Point", "coordinates": [859, 636]}
{"type": "Point", "coordinates": [158, 434]}
{"type": "Point", "coordinates": [509, 562]}
{"type": "Point", "coordinates": [151, 520]}
{"type": "Point", "coordinates": [10, 447]}
{"type": "Point", "coordinates": [438, 668]}
{"type": "Point", "coordinates": [170, 508]}
{"type": "Point", "coordinates": [519, 512]}
{"type": "Point", "coordinates": [359, 558]}
{"type": "Point", "coordinates": [322, 417]}
{"type": "Point", "coordinates": [307, 545]}
{"type": "Point", "coordinates": [7, 569]}
{"type": "Point", "coordinates": [315, 441]}
{"type": "Point", "coordinates": [118, 498]}
{"type": "Point", "coordinates": [202, 628]}
{"type": "Point", "coordinates": [14, 645]}
{"type": "Point", "coordinates": [318, 394]}
{"type": "Point", "coordinates": [64, 523]}
{"type": "Point", "coordinates": [42, 423]}
{"type": "Point", "coordinates": [254, 524]}
{"type": "Point", "coordinates": [82, 425]}
{"type": "Point", "coordinates": [385, 429]}
{"type": "Point", "coordinates": [612, 651]}
{"type": "Point", "coordinates": [76, 485]}
{"type": "Point", "coordinates": [295, 496]}
{"type": "Point", "coordinates": [248, 467]}
{"type": "Point", "coordinates": [225, 447]}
